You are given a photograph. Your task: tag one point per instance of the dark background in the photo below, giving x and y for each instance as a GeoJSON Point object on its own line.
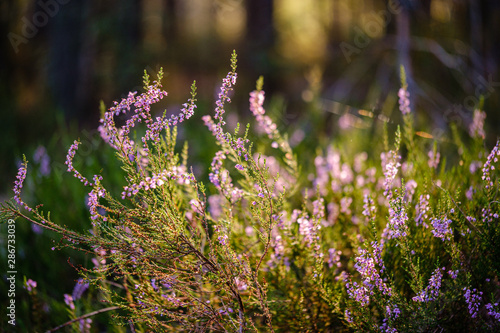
{"type": "Point", "coordinates": [58, 59]}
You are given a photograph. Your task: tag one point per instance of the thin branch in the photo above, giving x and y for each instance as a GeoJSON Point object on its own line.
{"type": "Point", "coordinates": [111, 308]}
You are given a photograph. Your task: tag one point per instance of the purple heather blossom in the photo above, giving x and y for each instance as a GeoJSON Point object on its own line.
{"type": "Point", "coordinates": [79, 289]}
{"type": "Point", "coordinates": [390, 165]}
{"type": "Point", "coordinates": [473, 299]}
{"type": "Point", "coordinates": [398, 219]}
{"type": "Point", "coordinates": [30, 285]}
{"type": "Point", "coordinates": [422, 210]}
{"type": "Point", "coordinates": [307, 229]}
{"type": "Point", "coordinates": [488, 167]}
{"type": "Point", "coordinates": [366, 264]}
{"type": "Point", "coordinates": [40, 156]}
{"type": "Point", "coordinates": [85, 325]}
{"type": "Point", "coordinates": [265, 123]}
{"type": "Point", "coordinates": [333, 214]}
{"type": "Point", "coordinates": [469, 193]}
{"type": "Point", "coordinates": [18, 185]}
{"type": "Point", "coordinates": [359, 293]}
{"type": "Point", "coordinates": [345, 203]}
{"type": "Point", "coordinates": [215, 206]}
{"type": "Point", "coordinates": [348, 316]}
{"type": "Point", "coordinates": [453, 274]}
{"type": "Point", "coordinates": [431, 292]}
{"type": "Point", "coordinates": [334, 258]}
{"type": "Point", "coordinates": [319, 209]}
{"type": "Point", "coordinates": [221, 179]}
{"type": "Point", "coordinates": [197, 205]}
{"type": "Point", "coordinates": [71, 168]}
{"type": "Point", "coordinates": [359, 161]}
{"type": "Point", "coordinates": [68, 299]}
{"type": "Point", "coordinates": [492, 311]}
{"type": "Point", "coordinates": [93, 199]}
{"type": "Point", "coordinates": [279, 248]}
{"type": "Point", "coordinates": [404, 101]}
{"type": "Point", "coordinates": [157, 180]}
{"type": "Point", "coordinates": [474, 166]}
{"type": "Point", "coordinates": [274, 168]}
{"type": "Point", "coordinates": [392, 311]}
{"type": "Point", "coordinates": [476, 128]}
{"type": "Point", "coordinates": [434, 157]}
{"type": "Point", "coordinates": [118, 138]}
{"type": "Point", "coordinates": [225, 89]}
{"type": "Point", "coordinates": [222, 236]}
{"type": "Point", "coordinates": [410, 187]}
{"type": "Point", "coordinates": [442, 228]}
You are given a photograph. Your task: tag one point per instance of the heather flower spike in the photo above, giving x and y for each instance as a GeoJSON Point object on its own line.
{"type": "Point", "coordinates": [403, 94]}
{"type": "Point", "coordinates": [18, 184]}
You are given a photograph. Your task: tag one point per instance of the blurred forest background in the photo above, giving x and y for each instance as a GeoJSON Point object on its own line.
{"type": "Point", "coordinates": [59, 58]}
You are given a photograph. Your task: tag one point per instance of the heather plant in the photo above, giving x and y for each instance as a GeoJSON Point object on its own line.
{"type": "Point", "coordinates": [399, 237]}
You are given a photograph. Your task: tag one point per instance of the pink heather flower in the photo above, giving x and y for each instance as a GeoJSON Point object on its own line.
{"type": "Point", "coordinates": [492, 311]}
{"type": "Point", "coordinates": [345, 203]}
{"type": "Point", "coordinates": [307, 229]}
{"type": "Point", "coordinates": [215, 206]}
{"type": "Point", "coordinates": [474, 166]}
{"type": "Point", "coordinates": [390, 165]}
{"type": "Point", "coordinates": [398, 219]}
{"type": "Point", "coordinates": [404, 101]}
{"type": "Point", "coordinates": [476, 128]}
{"type": "Point", "coordinates": [79, 289]}
{"type": "Point", "coordinates": [422, 210]}
{"type": "Point", "coordinates": [319, 209]}
{"type": "Point", "coordinates": [71, 168]}
{"type": "Point", "coordinates": [392, 311]}
{"type": "Point", "coordinates": [348, 316]}
{"type": "Point", "coordinates": [225, 89]}
{"type": "Point", "coordinates": [85, 325]}
{"type": "Point", "coordinates": [370, 267]}
{"type": "Point", "coordinates": [473, 299]}
{"type": "Point", "coordinates": [433, 161]}
{"type": "Point", "coordinates": [359, 293]}
{"type": "Point", "coordinates": [265, 123]}
{"type": "Point", "coordinates": [240, 284]}
{"type": "Point", "coordinates": [157, 180]}
{"type": "Point", "coordinates": [410, 187]}
{"type": "Point", "coordinates": [279, 248]}
{"type": "Point", "coordinates": [221, 179]}
{"type": "Point", "coordinates": [488, 167]}
{"type": "Point", "coordinates": [222, 236]}
{"type": "Point", "coordinates": [369, 208]}
{"type": "Point", "coordinates": [453, 274]}
{"type": "Point", "coordinates": [334, 258]}
{"type": "Point", "coordinates": [431, 292]}
{"type": "Point", "coordinates": [30, 285]}
{"type": "Point", "coordinates": [40, 156]}
{"type": "Point", "coordinates": [68, 299]}
{"type": "Point", "coordinates": [469, 193]}
{"type": "Point", "coordinates": [197, 205]}
{"type": "Point", "coordinates": [141, 104]}
{"type": "Point", "coordinates": [18, 185]}
{"type": "Point", "coordinates": [442, 228]}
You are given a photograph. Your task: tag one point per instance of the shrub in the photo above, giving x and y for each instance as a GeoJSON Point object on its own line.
{"type": "Point", "coordinates": [393, 239]}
